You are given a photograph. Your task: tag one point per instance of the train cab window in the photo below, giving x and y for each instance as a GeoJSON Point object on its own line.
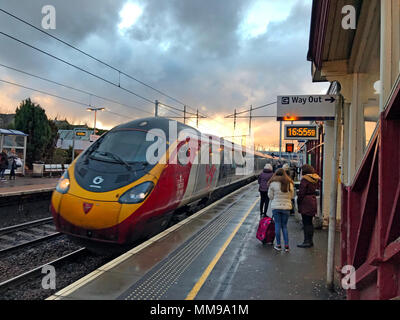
{"type": "Point", "coordinates": [128, 145]}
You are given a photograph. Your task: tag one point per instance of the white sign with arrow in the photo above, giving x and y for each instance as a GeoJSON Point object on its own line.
{"type": "Point", "coordinates": [306, 107]}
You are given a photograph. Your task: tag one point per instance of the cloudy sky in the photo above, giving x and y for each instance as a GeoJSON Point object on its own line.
{"type": "Point", "coordinates": [213, 55]}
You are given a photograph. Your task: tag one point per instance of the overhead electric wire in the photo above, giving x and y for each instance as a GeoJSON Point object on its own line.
{"type": "Point", "coordinates": [102, 62]}
{"type": "Point", "coordinates": [105, 64]}
{"type": "Point", "coordinates": [253, 109]}
{"type": "Point", "coordinates": [162, 105]}
{"type": "Point", "coordinates": [91, 56]}
{"type": "Point", "coordinates": [58, 97]}
{"type": "Point", "coordinates": [74, 66]}
{"type": "Point", "coordinates": [173, 108]}
{"type": "Point", "coordinates": [72, 88]}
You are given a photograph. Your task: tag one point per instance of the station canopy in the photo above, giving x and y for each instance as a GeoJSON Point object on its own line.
{"type": "Point", "coordinates": [10, 132]}
{"type": "Point", "coordinates": [14, 141]}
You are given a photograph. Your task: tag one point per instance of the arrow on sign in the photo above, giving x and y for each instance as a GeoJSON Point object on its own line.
{"type": "Point", "coordinates": [331, 99]}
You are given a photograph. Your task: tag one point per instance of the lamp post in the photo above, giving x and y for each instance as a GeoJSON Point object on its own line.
{"type": "Point", "coordinates": [95, 114]}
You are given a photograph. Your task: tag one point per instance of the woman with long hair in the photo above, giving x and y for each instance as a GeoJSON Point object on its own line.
{"type": "Point", "coordinates": [281, 193]}
{"type": "Point", "coordinates": [307, 203]}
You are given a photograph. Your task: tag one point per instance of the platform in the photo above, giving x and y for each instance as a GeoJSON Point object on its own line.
{"type": "Point", "coordinates": [27, 185]}
{"type": "Point", "coordinates": [212, 255]}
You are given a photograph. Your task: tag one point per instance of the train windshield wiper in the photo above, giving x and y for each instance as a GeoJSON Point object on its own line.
{"type": "Point", "coordinates": [115, 157]}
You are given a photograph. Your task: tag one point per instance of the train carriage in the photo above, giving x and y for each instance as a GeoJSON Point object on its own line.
{"type": "Point", "coordinates": [115, 192]}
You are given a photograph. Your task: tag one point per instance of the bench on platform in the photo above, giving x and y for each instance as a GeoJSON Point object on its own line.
{"type": "Point", "coordinates": [53, 169]}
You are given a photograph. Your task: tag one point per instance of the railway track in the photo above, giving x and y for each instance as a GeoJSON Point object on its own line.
{"type": "Point", "coordinates": [37, 271]}
{"type": "Point", "coordinates": [22, 269]}
{"type": "Point", "coordinates": [26, 234]}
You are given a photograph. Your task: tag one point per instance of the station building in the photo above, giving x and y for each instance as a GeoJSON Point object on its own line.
{"type": "Point", "coordinates": [355, 45]}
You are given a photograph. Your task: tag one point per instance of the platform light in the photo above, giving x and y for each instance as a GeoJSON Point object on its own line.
{"type": "Point", "coordinates": [290, 118]}
{"type": "Point", "coordinates": [95, 114]}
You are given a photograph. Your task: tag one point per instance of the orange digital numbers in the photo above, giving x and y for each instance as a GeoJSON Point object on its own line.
{"type": "Point", "coordinates": [301, 132]}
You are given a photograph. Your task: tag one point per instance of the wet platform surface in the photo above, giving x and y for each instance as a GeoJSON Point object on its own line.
{"type": "Point", "coordinates": [27, 185]}
{"type": "Point", "coordinates": [213, 255]}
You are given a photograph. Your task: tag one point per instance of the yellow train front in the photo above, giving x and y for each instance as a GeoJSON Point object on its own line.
{"type": "Point", "coordinates": [104, 197]}
{"type": "Point", "coordinates": [113, 193]}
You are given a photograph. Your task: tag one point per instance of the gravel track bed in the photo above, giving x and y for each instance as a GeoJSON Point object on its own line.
{"type": "Point", "coordinates": [7, 219]}
{"type": "Point", "coordinates": [24, 259]}
{"type": "Point", "coordinates": [67, 274]}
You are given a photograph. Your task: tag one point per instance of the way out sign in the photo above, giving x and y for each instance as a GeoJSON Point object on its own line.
{"type": "Point", "coordinates": [306, 108]}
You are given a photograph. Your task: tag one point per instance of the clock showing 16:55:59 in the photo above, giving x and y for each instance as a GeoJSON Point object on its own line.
{"type": "Point", "coordinates": [301, 132]}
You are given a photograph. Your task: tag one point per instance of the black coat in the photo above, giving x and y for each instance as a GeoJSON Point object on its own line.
{"type": "Point", "coordinates": [3, 160]}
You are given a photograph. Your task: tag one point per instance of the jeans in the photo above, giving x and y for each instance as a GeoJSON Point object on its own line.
{"type": "Point", "coordinates": [281, 218]}
{"type": "Point", "coordinates": [264, 202]}
{"type": "Point", "coordinates": [2, 171]}
{"type": "Point", "coordinates": [12, 172]}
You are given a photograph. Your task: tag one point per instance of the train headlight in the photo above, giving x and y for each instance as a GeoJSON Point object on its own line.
{"type": "Point", "coordinates": [138, 193]}
{"type": "Point", "coordinates": [63, 184]}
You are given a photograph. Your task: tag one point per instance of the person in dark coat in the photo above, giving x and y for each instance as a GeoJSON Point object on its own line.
{"type": "Point", "coordinates": [12, 158]}
{"type": "Point", "coordinates": [3, 164]}
{"type": "Point", "coordinates": [307, 203]}
{"type": "Point", "coordinates": [263, 181]}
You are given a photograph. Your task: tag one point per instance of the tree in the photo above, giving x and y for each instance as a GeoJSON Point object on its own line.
{"type": "Point", "coordinates": [31, 119]}
{"type": "Point", "coordinates": [51, 145]}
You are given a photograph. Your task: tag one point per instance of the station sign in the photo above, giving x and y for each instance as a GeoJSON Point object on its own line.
{"type": "Point", "coordinates": [301, 132]}
{"type": "Point", "coordinates": [80, 133]}
{"type": "Point", "coordinates": [289, 147]}
{"type": "Point", "coordinates": [306, 107]}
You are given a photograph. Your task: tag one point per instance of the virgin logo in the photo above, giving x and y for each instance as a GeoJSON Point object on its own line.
{"type": "Point", "coordinates": [87, 207]}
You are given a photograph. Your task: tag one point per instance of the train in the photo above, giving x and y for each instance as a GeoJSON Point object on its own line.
{"type": "Point", "coordinates": [130, 183]}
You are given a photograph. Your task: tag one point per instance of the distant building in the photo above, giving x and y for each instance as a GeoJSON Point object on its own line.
{"type": "Point", "coordinates": [66, 139]}
{"type": "Point", "coordinates": [64, 124]}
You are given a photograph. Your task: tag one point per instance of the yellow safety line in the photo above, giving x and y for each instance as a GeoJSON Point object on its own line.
{"type": "Point", "coordinates": [195, 290]}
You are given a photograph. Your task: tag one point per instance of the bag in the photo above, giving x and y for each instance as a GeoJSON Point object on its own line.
{"type": "Point", "coordinates": [18, 163]}
{"type": "Point", "coordinates": [266, 230]}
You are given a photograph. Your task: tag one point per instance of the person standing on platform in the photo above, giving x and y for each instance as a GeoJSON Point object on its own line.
{"type": "Point", "coordinates": [281, 193]}
{"type": "Point", "coordinates": [3, 164]}
{"type": "Point", "coordinates": [286, 167]}
{"type": "Point", "coordinates": [12, 158]}
{"type": "Point", "coordinates": [263, 181]}
{"type": "Point", "coordinates": [307, 203]}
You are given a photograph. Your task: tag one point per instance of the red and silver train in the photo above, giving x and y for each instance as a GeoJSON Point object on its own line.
{"type": "Point", "coordinates": [112, 193]}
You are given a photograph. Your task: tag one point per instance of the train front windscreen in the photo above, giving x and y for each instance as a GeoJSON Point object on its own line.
{"type": "Point", "coordinates": [129, 146]}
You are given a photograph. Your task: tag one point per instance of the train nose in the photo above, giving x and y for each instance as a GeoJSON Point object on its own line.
{"type": "Point", "coordinates": [87, 214]}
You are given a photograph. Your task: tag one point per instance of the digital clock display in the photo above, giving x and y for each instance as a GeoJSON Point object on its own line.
{"type": "Point", "coordinates": [296, 132]}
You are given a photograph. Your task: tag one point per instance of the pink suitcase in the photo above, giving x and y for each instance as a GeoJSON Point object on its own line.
{"type": "Point", "coordinates": [266, 230]}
